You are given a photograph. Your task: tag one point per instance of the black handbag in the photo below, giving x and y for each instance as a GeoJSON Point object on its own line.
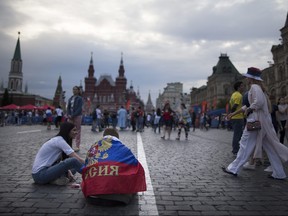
{"type": "Point", "coordinates": [253, 126]}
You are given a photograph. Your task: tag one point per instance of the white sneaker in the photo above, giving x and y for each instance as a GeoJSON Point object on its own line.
{"type": "Point", "coordinates": [268, 169]}
{"type": "Point", "coordinates": [249, 166]}
{"type": "Point", "coordinates": [61, 181]}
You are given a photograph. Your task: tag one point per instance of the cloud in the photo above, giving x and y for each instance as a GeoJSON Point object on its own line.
{"type": "Point", "coordinates": [163, 41]}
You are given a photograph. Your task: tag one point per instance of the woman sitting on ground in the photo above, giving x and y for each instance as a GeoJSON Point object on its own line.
{"type": "Point", "coordinates": [49, 166]}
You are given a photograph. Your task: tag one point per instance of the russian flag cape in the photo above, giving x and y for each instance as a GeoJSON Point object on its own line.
{"type": "Point", "coordinates": [111, 168]}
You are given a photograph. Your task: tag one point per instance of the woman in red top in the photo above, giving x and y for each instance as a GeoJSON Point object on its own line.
{"type": "Point", "coordinates": [167, 117]}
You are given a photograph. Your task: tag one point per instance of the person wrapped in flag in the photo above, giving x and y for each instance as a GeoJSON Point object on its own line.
{"type": "Point", "coordinates": [111, 169]}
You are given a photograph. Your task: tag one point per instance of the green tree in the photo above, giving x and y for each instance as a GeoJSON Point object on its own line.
{"type": "Point", "coordinates": [5, 99]}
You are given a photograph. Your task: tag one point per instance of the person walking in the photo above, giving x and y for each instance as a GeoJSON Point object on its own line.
{"type": "Point", "coordinates": [99, 118]}
{"type": "Point", "coordinates": [193, 120]}
{"type": "Point", "coordinates": [253, 141]}
{"type": "Point", "coordinates": [106, 118]}
{"type": "Point", "coordinates": [49, 117]}
{"type": "Point", "coordinates": [122, 118]}
{"type": "Point", "coordinates": [157, 123]}
{"type": "Point", "coordinates": [49, 165]}
{"type": "Point", "coordinates": [114, 119]}
{"type": "Point", "coordinates": [139, 120]}
{"type": "Point", "coordinates": [282, 116]}
{"type": "Point", "coordinates": [167, 116]}
{"type": "Point", "coordinates": [133, 119]}
{"type": "Point", "coordinates": [275, 119]}
{"type": "Point", "coordinates": [183, 121]}
{"type": "Point", "coordinates": [59, 114]}
{"type": "Point", "coordinates": [94, 120]}
{"type": "Point", "coordinates": [74, 112]}
{"type": "Point", "coordinates": [237, 120]}
{"type": "Point", "coordinates": [286, 125]}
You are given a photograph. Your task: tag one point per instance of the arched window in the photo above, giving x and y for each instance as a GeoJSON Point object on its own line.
{"type": "Point", "coordinates": [283, 91]}
{"type": "Point", "coordinates": [17, 85]}
{"type": "Point", "coordinates": [226, 89]}
{"type": "Point", "coordinates": [95, 99]}
{"type": "Point", "coordinates": [271, 77]}
{"type": "Point", "coordinates": [11, 85]}
{"type": "Point", "coordinates": [272, 96]}
{"type": "Point", "coordinates": [211, 90]}
{"type": "Point", "coordinates": [281, 74]}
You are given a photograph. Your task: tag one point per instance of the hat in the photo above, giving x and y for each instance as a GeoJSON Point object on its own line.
{"type": "Point", "coordinates": [253, 73]}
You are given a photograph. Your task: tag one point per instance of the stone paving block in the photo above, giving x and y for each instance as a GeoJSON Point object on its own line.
{"type": "Point", "coordinates": [203, 208]}
{"type": "Point", "coordinates": [180, 203]}
{"type": "Point", "coordinates": [12, 214]}
{"type": "Point", "coordinates": [4, 210]}
{"type": "Point", "coordinates": [30, 211]}
{"type": "Point", "coordinates": [188, 213]}
{"type": "Point", "coordinates": [177, 208]}
{"type": "Point", "coordinates": [22, 204]}
{"type": "Point", "coordinates": [172, 198]}
{"type": "Point", "coordinates": [247, 213]}
{"type": "Point", "coordinates": [12, 195]}
{"type": "Point", "coordinates": [215, 213]}
{"type": "Point", "coordinates": [168, 213]}
{"type": "Point", "coordinates": [52, 211]}
{"type": "Point", "coordinates": [45, 204]}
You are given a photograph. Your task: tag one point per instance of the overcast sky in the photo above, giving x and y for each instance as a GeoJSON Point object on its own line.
{"type": "Point", "coordinates": [163, 41]}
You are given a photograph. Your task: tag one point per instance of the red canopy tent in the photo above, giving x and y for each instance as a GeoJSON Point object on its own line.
{"type": "Point", "coordinates": [9, 107]}
{"type": "Point", "coordinates": [27, 107]}
{"type": "Point", "coordinates": [45, 107]}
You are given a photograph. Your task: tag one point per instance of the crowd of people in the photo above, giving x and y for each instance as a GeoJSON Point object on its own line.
{"type": "Point", "coordinates": [19, 117]}
{"type": "Point", "coordinates": [162, 121]}
{"type": "Point", "coordinates": [29, 117]}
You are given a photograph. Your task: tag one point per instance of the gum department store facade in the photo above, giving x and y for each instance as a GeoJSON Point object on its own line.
{"type": "Point", "coordinates": [220, 83]}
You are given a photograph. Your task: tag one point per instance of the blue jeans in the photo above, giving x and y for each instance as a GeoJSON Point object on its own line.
{"type": "Point", "coordinates": [98, 122]}
{"type": "Point", "coordinates": [237, 125]}
{"type": "Point", "coordinates": [51, 173]}
{"type": "Point", "coordinates": [139, 123]}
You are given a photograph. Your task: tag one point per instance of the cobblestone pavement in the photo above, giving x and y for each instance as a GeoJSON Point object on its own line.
{"type": "Point", "coordinates": [186, 177]}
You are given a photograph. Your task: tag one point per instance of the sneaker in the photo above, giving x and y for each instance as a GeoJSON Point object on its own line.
{"type": "Point", "coordinates": [163, 137]}
{"type": "Point", "coordinates": [61, 181]}
{"type": "Point", "coordinates": [249, 166]}
{"type": "Point", "coordinates": [177, 138]}
{"type": "Point", "coordinates": [268, 169]}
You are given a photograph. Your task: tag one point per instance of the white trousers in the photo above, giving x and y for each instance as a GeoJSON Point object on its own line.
{"type": "Point", "coordinates": [247, 145]}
